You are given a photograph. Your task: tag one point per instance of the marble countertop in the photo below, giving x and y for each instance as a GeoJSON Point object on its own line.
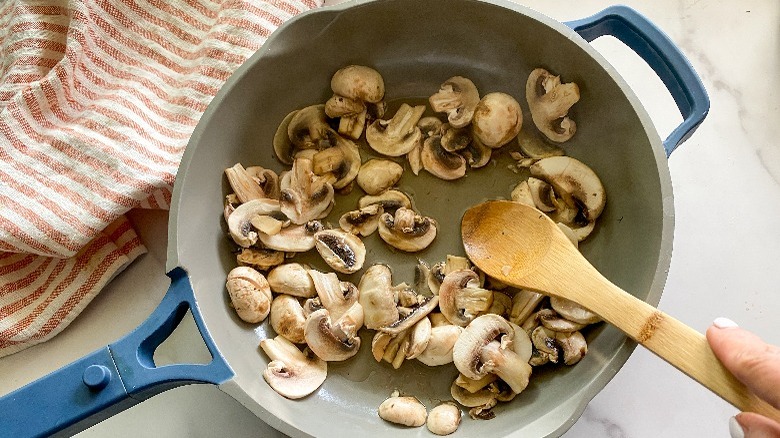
{"type": "Point", "coordinates": [726, 260]}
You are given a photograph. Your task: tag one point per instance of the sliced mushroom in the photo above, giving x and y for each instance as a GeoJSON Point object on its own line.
{"type": "Point", "coordinates": [294, 238]}
{"type": "Point", "coordinates": [267, 224]}
{"type": "Point", "coordinates": [542, 194]}
{"type": "Point", "coordinates": [477, 154]}
{"type": "Point", "coordinates": [249, 293]}
{"type": "Point", "coordinates": [522, 194]}
{"type": "Point", "coordinates": [430, 125]}
{"type": "Point", "coordinates": [407, 321]}
{"type": "Point", "coordinates": [342, 251]}
{"type": "Point", "coordinates": [397, 136]}
{"type": "Point", "coordinates": [458, 97]}
{"type": "Point", "coordinates": [552, 321]}
{"type": "Point", "coordinates": [570, 234]}
{"type": "Point", "coordinates": [440, 345]}
{"type": "Point", "coordinates": [231, 202]}
{"type": "Point", "coordinates": [481, 401]}
{"type": "Point", "coordinates": [568, 348]}
{"type": "Point", "coordinates": [573, 311]}
{"type": "Point", "coordinates": [497, 120]}
{"type": "Point", "coordinates": [484, 347]}
{"type": "Point", "coordinates": [377, 298]}
{"type": "Point", "coordinates": [575, 182]}
{"type": "Point", "coordinates": [244, 186]}
{"type": "Point", "coordinates": [308, 129]}
{"type": "Point", "coordinates": [545, 345]}
{"type": "Point", "coordinates": [283, 147]}
{"type": "Point", "coordinates": [261, 259]}
{"type": "Point", "coordinates": [501, 305]}
{"type": "Point", "coordinates": [363, 221]}
{"type": "Point", "coordinates": [304, 195]}
{"type": "Point", "coordinates": [377, 175]}
{"type": "Point", "coordinates": [334, 341]}
{"type": "Point", "coordinates": [407, 230]}
{"type": "Point", "coordinates": [524, 302]}
{"type": "Point", "coordinates": [292, 279]}
{"type": "Point", "coordinates": [291, 372]}
{"type": "Point", "coordinates": [455, 139]}
{"type": "Point", "coordinates": [336, 296]}
{"type": "Point", "coordinates": [472, 385]}
{"type": "Point", "coordinates": [549, 101]}
{"type": "Point", "coordinates": [342, 161]}
{"type": "Point", "coordinates": [419, 337]}
{"type": "Point", "coordinates": [239, 221]}
{"type": "Point", "coordinates": [414, 157]}
{"type": "Point", "coordinates": [535, 148]}
{"type": "Point", "coordinates": [287, 318]}
{"type": "Point", "coordinates": [407, 411]}
{"type": "Point", "coordinates": [440, 162]}
{"type": "Point", "coordinates": [461, 298]}
{"type": "Point", "coordinates": [390, 200]}
{"type": "Point", "coordinates": [444, 419]}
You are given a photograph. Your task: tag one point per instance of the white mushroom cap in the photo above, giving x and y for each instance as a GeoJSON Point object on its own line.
{"type": "Point", "coordinates": [407, 411]}
{"type": "Point", "coordinates": [291, 372]}
{"type": "Point", "coordinates": [250, 294]}
{"type": "Point", "coordinates": [287, 318]}
{"type": "Point", "coordinates": [358, 82]}
{"type": "Point", "coordinates": [377, 298]}
{"type": "Point", "coordinates": [497, 120]}
{"type": "Point", "coordinates": [439, 348]}
{"type": "Point", "coordinates": [444, 419]}
{"type": "Point", "coordinates": [292, 279]}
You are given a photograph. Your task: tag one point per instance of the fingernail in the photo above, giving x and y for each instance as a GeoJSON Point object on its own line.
{"type": "Point", "coordinates": [735, 429]}
{"type": "Point", "coordinates": [724, 323]}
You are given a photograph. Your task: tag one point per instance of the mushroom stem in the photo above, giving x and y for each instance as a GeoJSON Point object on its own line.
{"type": "Point", "coordinates": [507, 364]}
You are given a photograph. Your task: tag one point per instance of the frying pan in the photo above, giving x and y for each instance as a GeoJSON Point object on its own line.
{"type": "Point", "coordinates": [416, 46]}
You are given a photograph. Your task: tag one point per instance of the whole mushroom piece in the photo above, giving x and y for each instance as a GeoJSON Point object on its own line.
{"type": "Point", "coordinates": [498, 119]}
{"type": "Point", "coordinates": [250, 294]}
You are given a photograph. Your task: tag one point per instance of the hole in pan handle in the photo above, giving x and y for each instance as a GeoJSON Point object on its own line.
{"type": "Point", "coordinates": [113, 378]}
{"type": "Point", "coordinates": [662, 55]}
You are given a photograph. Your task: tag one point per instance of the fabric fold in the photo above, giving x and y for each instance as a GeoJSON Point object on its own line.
{"type": "Point", "coordinates": [98, 99]}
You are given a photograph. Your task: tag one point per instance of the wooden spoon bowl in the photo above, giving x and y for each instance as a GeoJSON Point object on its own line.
{"type": "Point", "coordinates": [519, 245]}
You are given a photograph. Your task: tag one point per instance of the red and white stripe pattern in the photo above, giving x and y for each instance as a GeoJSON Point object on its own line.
{"type": "Point", "coordinates": [98, 99]}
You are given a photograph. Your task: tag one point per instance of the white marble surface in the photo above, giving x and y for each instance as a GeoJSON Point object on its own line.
{"type": "Point", "coordinates": [726, 246]}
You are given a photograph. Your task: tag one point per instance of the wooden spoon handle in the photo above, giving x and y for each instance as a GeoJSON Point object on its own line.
{"type": "Point", "coordinates": [676, 343]}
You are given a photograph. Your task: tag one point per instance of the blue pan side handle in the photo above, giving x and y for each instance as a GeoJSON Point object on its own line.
{"type": "Point", "coordinates": [662, 55]}
{"type": "Point", "coordinates": [112, 378]}
{"type": "Point", "coordinates": [133, 354]}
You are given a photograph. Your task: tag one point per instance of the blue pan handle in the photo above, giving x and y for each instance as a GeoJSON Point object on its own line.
{"type": "Point", "coordinates": [112, 378]}
{"type": "Point", "coordinates": [662, 55]}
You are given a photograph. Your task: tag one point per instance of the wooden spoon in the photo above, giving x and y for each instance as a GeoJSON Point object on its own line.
{"type": "Point", "coordinates": [519, 245]}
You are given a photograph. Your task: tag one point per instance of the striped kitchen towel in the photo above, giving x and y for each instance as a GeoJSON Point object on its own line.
{"type": "Point", "coordinates": [98, 99]}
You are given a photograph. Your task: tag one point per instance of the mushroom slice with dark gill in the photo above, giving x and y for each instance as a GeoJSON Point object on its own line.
{"type": "Point", "coordinates": [342, 251]}
{"type": "Point", "coordinates": [334, 341]}
{"type": "Point", "coordinates": [407, 230]}
{"type": "Point", "coordinates": [484, 347]}
{"type": "Point", "coordinates": [440, 162]}
{"type": "Point", "coordinates": [390, 200]}
{"type": "Point", "coordinates": [240, 220]}
{"type": "Point", "coordinates": [397, 136]}
{"type": "Point", "coordinates": [294, 238]}
{"type": "Point", "coordinates": [461, 298]}
{"type": "Point", "coordinates": [549, 101]}
{"type": "Point", "coordinates": [341, 161]}
{"type": "Point", "coordinates": [291, 372]}
{"type": "Point", "coordinates": [363, 221]}
{"type": "Point", "coordinates": [304, 195]}
{"type": "Point", "coordinates": [458, 97]}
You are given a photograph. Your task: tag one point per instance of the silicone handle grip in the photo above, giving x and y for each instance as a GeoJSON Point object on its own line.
{"type": "Point", "coordinates": [112, 378]}
{"type": "Point", "coordinates": [662, 55]}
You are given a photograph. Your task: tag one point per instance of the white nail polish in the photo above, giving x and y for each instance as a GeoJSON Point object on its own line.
{"type": "Point", "coordinates": [735, 429]}
{"type": "Point", "coordinates": [724, 323]}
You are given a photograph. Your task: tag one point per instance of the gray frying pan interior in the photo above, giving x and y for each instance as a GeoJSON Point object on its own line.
{"type": "Point", "coordinates": [416, 45]}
